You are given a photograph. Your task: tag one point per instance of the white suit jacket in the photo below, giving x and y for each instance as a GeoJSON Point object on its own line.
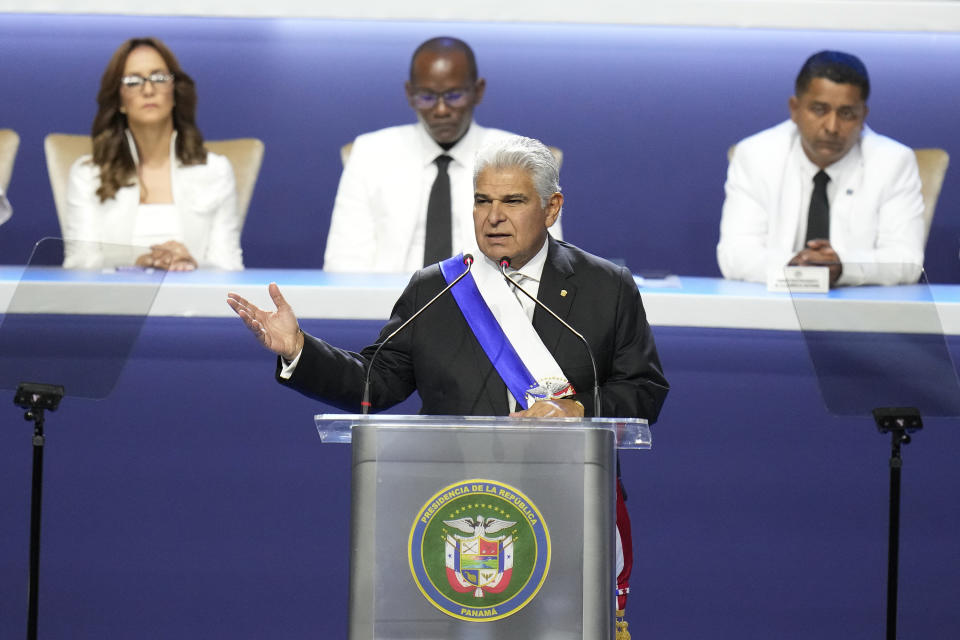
{"type": "Point", "coordinates": [379, 216]}
{"type": "Point", "coordinates": [876, 216]}
{"type": "Point", "coordinates": [205, 196]}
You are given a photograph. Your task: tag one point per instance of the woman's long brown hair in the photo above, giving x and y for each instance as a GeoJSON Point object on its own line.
{"type": "Point", "coordinates": [110, 149]}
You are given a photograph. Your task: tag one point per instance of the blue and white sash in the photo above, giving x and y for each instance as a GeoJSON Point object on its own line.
{"type": "Point", "coordinates": [505, 333]}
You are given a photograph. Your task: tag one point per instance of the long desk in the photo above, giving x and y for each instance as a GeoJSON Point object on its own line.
{"type": "Point", "coordinates": [197, 500]}
{"type": "Point", "coordinates": [671, 302]}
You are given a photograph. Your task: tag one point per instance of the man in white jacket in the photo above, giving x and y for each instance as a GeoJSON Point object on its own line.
{"type": "Point", "coordinates": [396, 177]}
{"type": "Point", "coordinates": [824, 189]}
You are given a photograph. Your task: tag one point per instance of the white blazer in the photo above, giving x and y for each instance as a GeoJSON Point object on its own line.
{"type": "Point", "coordinates": [379, 216]}
{"type": "Point", "coordinates": [876, 217]}
{"type": "Point", "coordinates": [205, 196]}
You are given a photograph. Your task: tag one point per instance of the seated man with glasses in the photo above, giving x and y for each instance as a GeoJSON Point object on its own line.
{"type": "Point", "coordinates": [406, 192]}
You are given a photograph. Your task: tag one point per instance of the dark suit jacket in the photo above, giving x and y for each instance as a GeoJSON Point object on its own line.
{"type": "Point", "coordinates": [439, 356]}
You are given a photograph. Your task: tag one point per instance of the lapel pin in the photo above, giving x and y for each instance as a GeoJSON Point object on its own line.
{"type": "Point", "coordinates": [563, 293]}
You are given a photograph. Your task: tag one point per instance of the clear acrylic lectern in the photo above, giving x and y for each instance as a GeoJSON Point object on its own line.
{"type": "Point", "coordinates": [470, 528]}
{"type": "Point", "coordinates": [881, 351]}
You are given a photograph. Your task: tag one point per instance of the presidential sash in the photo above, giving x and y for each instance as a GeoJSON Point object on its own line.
{"type": "Point", "coordinates": [505, 333]}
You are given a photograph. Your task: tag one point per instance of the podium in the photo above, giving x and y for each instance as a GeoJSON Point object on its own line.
{"type": "Point", "coordinates": [467, 528]}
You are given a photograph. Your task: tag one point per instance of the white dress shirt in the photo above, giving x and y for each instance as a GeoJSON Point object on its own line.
{"type": "Point", "coordinates": [840, 172]}
{"type": "Point", "coordinates": [528, 276]}
{"type": "Point", "coordinates": [380, 213]}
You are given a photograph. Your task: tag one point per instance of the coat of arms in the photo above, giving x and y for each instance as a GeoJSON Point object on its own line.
{"type": "Point", "coordinates": [479, 550]}
{"type": "Point", "coordinates": [478, 562]}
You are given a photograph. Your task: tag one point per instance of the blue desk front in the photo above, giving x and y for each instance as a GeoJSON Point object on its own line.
{"type": "Point", "coordinates": [197, 500]}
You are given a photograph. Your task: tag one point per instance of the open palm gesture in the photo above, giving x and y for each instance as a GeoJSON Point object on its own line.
{"type": "Point", "coordinates": [277, 330]}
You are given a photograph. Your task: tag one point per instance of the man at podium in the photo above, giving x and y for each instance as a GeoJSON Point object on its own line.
{"type": "Point", "coordinates": [484, 347]}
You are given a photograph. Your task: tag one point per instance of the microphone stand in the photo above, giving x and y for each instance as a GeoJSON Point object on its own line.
{"type": "Point", "coordinates": [36, 398]}
{"type": "Point", "coordinates": [504, 263]}
{"type": "Point", "coordinates": [365, 400]}
{"type": "Point", "coordinates": [899, 422]}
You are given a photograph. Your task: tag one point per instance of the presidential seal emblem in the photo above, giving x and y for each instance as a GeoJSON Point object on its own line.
{"type": "Point", "coordinates": [549, 389]}
{"type": "Point", "coordinates": [479, 550]}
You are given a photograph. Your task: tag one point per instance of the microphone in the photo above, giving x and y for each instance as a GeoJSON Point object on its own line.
{"type": "Point", "coordinates": [365, 400]}
{"type": "Point", "coordinates": [504, 263]}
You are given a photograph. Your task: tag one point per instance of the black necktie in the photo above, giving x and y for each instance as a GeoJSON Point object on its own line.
{"type": "Point", "coordinates": [436, 246]}
{"type": "Point", "coordinates": [818, 219]}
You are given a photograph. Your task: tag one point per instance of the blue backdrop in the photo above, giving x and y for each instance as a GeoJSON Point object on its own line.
{"type": "Point", "coordinates": [198, 502]}
{"type": "Point", "coordinates": [644, 115]}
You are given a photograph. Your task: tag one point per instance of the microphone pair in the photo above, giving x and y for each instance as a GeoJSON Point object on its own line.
{"type": "Point", "coordinates": [504, 264]}
{"type": "Point", "coordinates": [365, 399]}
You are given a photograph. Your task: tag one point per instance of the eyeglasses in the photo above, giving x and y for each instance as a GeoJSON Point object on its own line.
{"type": "Point", "coordinates": [158, 79]}
{"type": "Point", "coordinates": [456, 98]}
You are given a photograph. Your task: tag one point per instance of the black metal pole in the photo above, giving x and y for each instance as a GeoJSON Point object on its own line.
{"type": "Point", "coordinates": [36, 501]}
{"type": "Point", "coordinates": [898, 437]}
{"type": "Point", "coordinates": [899, 422]}
{"type": "Point", "coordinates": [36, 398]}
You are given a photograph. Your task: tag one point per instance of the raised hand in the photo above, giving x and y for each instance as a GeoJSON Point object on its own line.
{"type": "Point", "coordinates": [277, 330]}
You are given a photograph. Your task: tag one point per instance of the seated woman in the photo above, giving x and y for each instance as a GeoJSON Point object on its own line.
{"type": "Point", "coordinates": [150, 182]}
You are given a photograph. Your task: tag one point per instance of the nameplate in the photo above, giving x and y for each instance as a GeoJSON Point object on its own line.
{"type": "Point", "coordinates": [799, 279]}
